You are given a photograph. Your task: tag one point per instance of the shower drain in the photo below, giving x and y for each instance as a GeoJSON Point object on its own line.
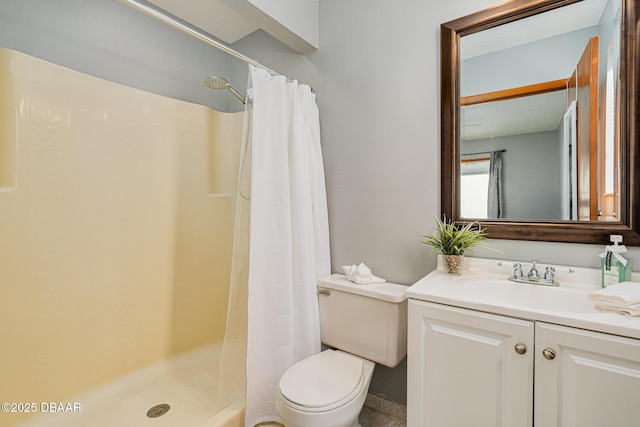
{"type": "Point", "coordinates": [158, 410]}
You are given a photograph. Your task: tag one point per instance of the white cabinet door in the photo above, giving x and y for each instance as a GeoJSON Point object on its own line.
{"type": "Point", "coordinates": [463, 368]}
{"type": "Point", "coordinates": [589, 380]}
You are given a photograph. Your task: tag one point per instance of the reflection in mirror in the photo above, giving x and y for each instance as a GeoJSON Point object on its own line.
{"type": "Point", "coordinates": [575, 179]}
{"type": "Point", "coordinates": [543, 91]}
{"type": "Point", "coordinates": [569, 164]}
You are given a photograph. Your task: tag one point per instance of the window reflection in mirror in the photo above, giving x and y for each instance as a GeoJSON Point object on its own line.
{"type": "Point", "coordinates": [474, 184]}
{"type": "Point", "coordinates": [545, 90]}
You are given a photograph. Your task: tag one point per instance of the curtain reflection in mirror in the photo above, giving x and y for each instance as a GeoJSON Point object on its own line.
{"type": "Point", "coordinates": [494, 200]}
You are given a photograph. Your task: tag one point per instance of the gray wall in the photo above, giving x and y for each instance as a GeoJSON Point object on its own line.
{"type": "Point", "coordinates": [530, 173]}
{"type": "Point", "coordinates": [377, 79]}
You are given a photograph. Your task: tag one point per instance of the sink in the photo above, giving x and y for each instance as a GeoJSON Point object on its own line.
{"type": "Point", "coordinates": [524, 295]}
{"type": "Point", "coordinates": [502, 291]}
{"type": "Point", "coordinates": [559, 299]}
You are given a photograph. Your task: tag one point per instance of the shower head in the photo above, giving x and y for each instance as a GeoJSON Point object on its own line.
{"type": "Point", "coordinates": [216, 83]}
{"type": "Point", "coordinates": [219, 83]}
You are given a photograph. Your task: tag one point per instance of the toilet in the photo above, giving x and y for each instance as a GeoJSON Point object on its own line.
{"type": "Point", "coordinates": [360, 325]}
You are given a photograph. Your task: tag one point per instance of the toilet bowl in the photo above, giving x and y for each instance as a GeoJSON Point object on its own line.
{"type": "Point", "coordinates": [362, 325]}
{"type": "Point", "coordinates": [324, 390]}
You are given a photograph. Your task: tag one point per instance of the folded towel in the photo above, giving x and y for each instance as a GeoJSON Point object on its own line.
{"type": "Point", "coordinates": [630, 310]}
{"type": "Point", "coordinates": [624, 292]}
{"type": "Point", "coordinates": [360, 274]}
{"type": "Point", "coordinates": [621, 298]}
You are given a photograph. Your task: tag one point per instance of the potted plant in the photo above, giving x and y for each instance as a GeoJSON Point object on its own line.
{"type": "Point", "coordinates": [453, 241]}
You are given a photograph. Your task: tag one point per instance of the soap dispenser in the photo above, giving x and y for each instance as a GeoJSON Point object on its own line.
{"type": "Point", "coordinates": [615, 268]}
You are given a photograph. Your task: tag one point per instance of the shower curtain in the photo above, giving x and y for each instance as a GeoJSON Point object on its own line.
{"type": "Point", "coordinates": [289, 236]}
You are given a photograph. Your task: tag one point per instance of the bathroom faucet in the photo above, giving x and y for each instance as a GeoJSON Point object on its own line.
{"type": "Point", "coordinates": [533, 276]}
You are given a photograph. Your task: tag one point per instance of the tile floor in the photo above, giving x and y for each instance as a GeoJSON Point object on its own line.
{"type": "Point", "coordinates": [377, 412]}
{"type": "Point", "coordinates": [380, 412]}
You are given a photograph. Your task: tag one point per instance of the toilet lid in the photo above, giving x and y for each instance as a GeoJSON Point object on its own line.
{"type": "Point", "coordinates": [322, 380]}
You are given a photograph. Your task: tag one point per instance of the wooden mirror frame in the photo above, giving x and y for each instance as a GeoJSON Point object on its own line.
{"type": "Point", "coordinates": [543, 230]}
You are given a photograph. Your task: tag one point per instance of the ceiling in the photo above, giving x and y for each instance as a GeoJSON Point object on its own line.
{"type": "Point", "coordinates": [533, 113]}
{"type": "Point", "coordinates": [563, 20]}
{"type": "Point", "coordinates": [529, 114]}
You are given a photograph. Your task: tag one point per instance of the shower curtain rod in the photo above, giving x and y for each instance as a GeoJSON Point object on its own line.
{"type": "Point", "coordinates": [179, 24]}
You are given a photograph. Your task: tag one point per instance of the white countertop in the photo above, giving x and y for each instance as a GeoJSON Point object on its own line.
{"type": "Point", "coordinates": [484, 286]}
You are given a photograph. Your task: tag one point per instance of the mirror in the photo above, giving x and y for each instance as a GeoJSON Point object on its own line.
{"type": "Point", "coordinates": [539, 121]}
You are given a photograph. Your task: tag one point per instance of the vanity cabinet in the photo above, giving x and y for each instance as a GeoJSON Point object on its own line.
{"type": "Point", "coordinates": [585, 378]}
{"type": "Point", "coordinates": [467, 367]}
{"type": "Point", "coordinates": [463, 369]}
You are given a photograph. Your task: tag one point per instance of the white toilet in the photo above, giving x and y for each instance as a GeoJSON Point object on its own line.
{"type": "Point", "coordinates": [364, 324]}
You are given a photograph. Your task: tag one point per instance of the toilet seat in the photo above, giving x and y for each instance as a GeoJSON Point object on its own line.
{"type": "Point", "coordinates": [322, 382]}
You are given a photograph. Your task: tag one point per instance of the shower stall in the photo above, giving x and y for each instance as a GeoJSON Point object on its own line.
{"type": "Point", "coordinates": [125, 290]}
{"type": "Point", "coordinates": [117, 214]}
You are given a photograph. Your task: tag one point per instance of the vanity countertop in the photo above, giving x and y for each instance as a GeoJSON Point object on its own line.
{"type": "Point", "coordinates": [484, 286]}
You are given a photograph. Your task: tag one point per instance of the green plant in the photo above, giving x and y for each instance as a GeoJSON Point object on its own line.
{"type": "Point", "coordinates": [452, 239]}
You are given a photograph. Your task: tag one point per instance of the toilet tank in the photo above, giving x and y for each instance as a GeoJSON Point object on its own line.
{"type": "Point", "coordinates": [369, 321]}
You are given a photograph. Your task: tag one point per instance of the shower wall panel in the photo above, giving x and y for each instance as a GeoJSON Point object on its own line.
{"type": "Point", "coordinates": [115, 237]}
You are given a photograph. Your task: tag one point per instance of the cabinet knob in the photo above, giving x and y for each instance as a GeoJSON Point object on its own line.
{"type": "Point", "coordinates": [549, 354]}
{"type": "Point", "coordinates": [520, 348]}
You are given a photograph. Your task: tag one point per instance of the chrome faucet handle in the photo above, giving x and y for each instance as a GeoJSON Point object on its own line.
{"type": "Point", "coordinates": [517, 271]}
{"type": "Point", "coordinates": [549, 275]}
{"type": "Point", "coordinates": [516, 266]}
{"type": "Point", "coordinates": [533, 272]}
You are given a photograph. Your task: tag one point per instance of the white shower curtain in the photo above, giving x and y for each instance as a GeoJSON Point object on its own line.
{"type": "Point", "coordinates": [289, 237]}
